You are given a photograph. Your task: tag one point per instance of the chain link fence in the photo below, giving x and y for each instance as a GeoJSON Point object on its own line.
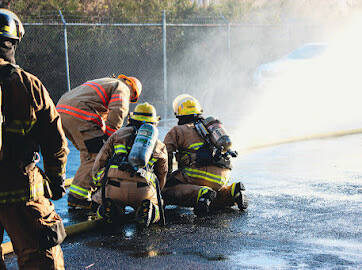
{"type": "Point", "coordinates": [211, 60]}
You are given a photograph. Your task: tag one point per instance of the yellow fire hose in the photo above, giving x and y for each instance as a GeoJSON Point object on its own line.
{"type": "Point", "coordinates": [92, 224]}
{"type": "Point", "coordinates": [70, 230]}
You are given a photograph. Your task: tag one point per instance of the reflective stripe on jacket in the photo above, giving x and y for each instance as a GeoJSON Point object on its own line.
{"type": "Point", "coordinates": [22, 195]}
{"type": "Point", "coordinates": [21, 127]}
{"type": "Point", "coordinates": [88, 116]}
{"type": "Point", "coordinates": [104, 102]}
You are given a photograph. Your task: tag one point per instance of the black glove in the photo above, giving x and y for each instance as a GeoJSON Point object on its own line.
{"type": "Point", "coordinates": [56, 184]}
{"type": "Point", "coordinates": [125, 166]}
{"type": "Point", "coordinates": [105, 138]}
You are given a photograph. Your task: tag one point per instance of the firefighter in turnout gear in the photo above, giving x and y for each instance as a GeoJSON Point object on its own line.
{"type": "Point", "coordinates": [202, 178]}
{"type": "Point", "coordinates": [28, 114]}
{"type": "Point", "coordinates": [90, 114]}
{"type": "Point", "coordinates": [127, 185]}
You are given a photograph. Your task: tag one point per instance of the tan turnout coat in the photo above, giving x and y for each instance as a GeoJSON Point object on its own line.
{"type": "Point", "coordinates": [191, 180]}
{"type": "Point", "coordinates": [129, 192]}
{"type": "Point", "coordinates": [88, 112]}
{"type": "Point", "coordinates": [186, 141]}
{"type": "Point", "coordinates": [25, 213]}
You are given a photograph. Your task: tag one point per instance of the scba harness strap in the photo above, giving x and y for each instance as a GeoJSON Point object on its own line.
{"type": "Point", "coordinates": [119, 161]}
{"type": "Point", "coordinates": [203, 154]}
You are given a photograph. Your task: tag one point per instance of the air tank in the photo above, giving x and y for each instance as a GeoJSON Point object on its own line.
{"type": "Point", "coordinates": [143, 145]}
{"type": "Point", "coordinates": [217, 133]}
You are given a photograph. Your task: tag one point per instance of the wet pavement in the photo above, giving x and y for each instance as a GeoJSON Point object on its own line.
{"type": "Point", "coordinates": [304, 213]}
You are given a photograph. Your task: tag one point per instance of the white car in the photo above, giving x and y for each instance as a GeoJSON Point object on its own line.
{"type": "Point", "coordinates": [295, 60]}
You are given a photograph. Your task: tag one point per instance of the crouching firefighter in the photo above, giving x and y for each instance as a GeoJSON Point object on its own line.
{"type": "Point", "coordinates": [203, 153]}
{"type": "Point", "coordinates": [30, 123]}
{"type": "Point", "coordinates": [131, 169]}
{"type": "Point", "coordinates": [90, 113]}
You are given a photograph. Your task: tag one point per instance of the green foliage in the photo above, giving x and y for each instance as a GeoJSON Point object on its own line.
{"type": "Point", "coordinates": [135, 11]}
{"type": "Point", "coordinates": [126, 10]}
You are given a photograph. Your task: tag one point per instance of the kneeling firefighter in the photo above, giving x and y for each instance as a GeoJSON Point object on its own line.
{"type": "Point", "coordinates": [130, 166]}
{"type": "Point", "coordinates": [203, 153]}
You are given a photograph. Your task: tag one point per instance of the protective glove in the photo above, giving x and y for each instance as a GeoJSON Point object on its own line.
{"type": "Point", "coordinates": [56, 184]}
{"type": "Point", "coordinates": [105, 138]}
{"type": "Point", "coordinates": [125, 166]}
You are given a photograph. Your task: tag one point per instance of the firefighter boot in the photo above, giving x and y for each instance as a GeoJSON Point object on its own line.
{"type": "Point", "coordinates": [147, 213]}
{"type": "Point", "coordinates": [79, 203]}
{"type": "Point", "coordinates": [205, 197]}
{"type": "Point", "coordinates": [108, 211]}
{"type": "Point", "coordinates": [240, 197]}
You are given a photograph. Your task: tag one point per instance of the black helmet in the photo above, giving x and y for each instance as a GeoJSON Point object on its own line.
{"type": "Point", "coordinates": [10, 25]}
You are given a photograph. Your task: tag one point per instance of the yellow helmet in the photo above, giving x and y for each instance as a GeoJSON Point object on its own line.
{"type": "Point", "coordinates": [136, 87]}
{"type": "Point", "coordinates": [145, 112]}
{"type": "Point", "coordinates": [186, 105]}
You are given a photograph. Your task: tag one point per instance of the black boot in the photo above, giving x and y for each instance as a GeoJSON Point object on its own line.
{"type": "Point", "coordinates": [79, 203]}
{"type": "Point", "coordinates": [109, 212]}
{"type": "Point", "coordinates": [240, 197]}
{"type": "Point", "coordinates": [147, 213]}
{"type": "Point", "coordinates": [202, 207]}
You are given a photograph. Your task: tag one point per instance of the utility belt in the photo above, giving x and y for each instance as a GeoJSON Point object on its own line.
{"type": "Point", "coordinates": [24, 165]}
{"type": "Point", "coordinates": [31, 190]}
{"type": "Point", "coordinates": [20, 150]}
{"type": "Point", "coordinates": [118, 183]}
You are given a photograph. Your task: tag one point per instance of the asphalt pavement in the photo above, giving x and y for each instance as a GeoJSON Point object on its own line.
{"type": "Point", "coordinates": [304, 213]}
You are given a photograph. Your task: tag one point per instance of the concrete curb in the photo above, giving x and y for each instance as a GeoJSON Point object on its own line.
{"type": "Point", "coordinates": [70, 230]}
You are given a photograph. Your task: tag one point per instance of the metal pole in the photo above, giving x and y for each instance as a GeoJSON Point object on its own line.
{"type": "Point", "coordinates": [66, 49]}
{"type": "Point", "coordinates": [228, 35]}
{"type": "Point", "coordinates": [229, 43]}
{"type": "Point", "coordinates": [164, 44]}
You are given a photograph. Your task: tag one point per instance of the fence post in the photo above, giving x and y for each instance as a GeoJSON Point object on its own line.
{"type": "Point", "coordinates": [228, 35]}
{"type": "Point", "coordinates": [66, 49]}
{"type": "Point", "coordinates": [229, 42]}
{"type": "Point", "coordinates": [164, 44]}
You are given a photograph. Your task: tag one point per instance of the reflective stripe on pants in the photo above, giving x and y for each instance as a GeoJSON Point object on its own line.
{"type": "Point", "coordinates": [82, 192]}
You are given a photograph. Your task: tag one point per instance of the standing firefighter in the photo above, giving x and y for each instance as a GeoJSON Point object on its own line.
{"type": "Point", "coordinates": [203, 155]}
{"type": "Point", "coordinates": [136, 160]}
{"type": "Point", "coordinates": [30, 124]}
{"type": "Point", "coordinates": [90, 114]}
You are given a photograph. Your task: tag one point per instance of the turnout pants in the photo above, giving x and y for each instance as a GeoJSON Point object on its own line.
{"type": "Point", "coordinates": [126, 192]}
{"type": "Point", "coordinates": [83, 135]}
{"type": "Point", "coordinates": [24, 223]}
{"type": "Point", "coordinates": [184, 193]}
